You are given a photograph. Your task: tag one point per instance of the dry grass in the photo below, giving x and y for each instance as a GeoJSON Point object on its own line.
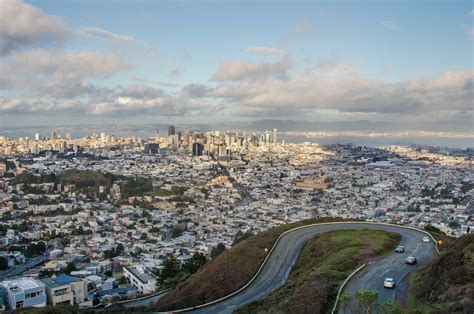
{"type": "Point", "coordinates": [446, 285]}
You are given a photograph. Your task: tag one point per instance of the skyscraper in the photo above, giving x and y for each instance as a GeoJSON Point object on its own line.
{"type": "Point", "coordinates": [171, 130]}
{"type": "Point", "coordinates": [275, 136]}
{"type": "Point", "coordinates": [198, 149]}
{"type": "Point", "coordinates": [37, 137]}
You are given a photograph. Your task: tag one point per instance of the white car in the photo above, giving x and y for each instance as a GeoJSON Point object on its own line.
{"type": "Point", "coordinates": [426, 239]}
{"type": "Point", "coordinates": [389, 283]}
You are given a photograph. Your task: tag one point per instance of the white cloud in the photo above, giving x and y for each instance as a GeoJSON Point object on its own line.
{"type": "Point", "coordinates": [266, 51]}
{"type": "Point", "coordinates": [22, 24]}
{"type": "Point", "coordinates": [102, 33]}
{"type": "Point", "coordinates": [344, 89]}
{"type": "Point", "coordinates": [238, 70]}
{"type": "Point", "coordinates": [55, 73]}
{"type": "Point", "coordinates": [390, 25]}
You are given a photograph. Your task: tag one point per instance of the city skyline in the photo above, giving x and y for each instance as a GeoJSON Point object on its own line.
{"type": "Point", "coordinates": [144, 62]}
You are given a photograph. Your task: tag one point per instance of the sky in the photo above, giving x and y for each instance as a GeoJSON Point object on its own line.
{"type": "Point", "coordinates": [127, 62]}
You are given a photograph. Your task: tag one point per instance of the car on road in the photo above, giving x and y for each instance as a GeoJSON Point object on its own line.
{"type": "Point", "coordinates": [411, 260]}
{"type": "Point", "coordinates": [426, 239]}
{"type": "Point", "coordinates": [389, 283]}
{"type": "Point", "coordinates": [400, 249]}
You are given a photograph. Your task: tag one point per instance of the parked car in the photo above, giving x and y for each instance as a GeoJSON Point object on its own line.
{"type": "Point", "coordinates": [389, 283]}
{"type": "Point", "coordinates": [411, 260]}
{"type": "Point", "coordinates": [426, 239]}
{"type": "Point", "coordinates": [400, 249]}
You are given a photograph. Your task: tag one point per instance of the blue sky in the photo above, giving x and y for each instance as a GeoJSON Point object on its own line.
{"type": "Point", "coordinates": [391, 46]}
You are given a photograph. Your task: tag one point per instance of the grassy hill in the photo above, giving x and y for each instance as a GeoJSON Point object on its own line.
{"type": "Point", "coordinates": [324, 263]}
{"type": "Point", "coordinates": [229, 271]}
{"type": "Point", "coordinates": [446, 285]}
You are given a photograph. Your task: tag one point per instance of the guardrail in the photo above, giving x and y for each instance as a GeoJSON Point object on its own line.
{"type": "Point", "coordinates": [276, 243]}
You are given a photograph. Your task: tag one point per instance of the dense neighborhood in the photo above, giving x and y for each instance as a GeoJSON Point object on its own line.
{"type": "Point", "coordinates": [105, 219]}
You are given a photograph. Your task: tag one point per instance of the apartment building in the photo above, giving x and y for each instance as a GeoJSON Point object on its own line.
{"type": "Point", "coordinates": [65, 289]}
{"type": "Point", "coordinates": [144, 282]}
{"type": "Point", "coordinates": [24, 292]}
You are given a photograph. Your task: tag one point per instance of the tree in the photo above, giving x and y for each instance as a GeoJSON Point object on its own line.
{"type": "Point", "coordinates": [217, 250]}
{"type": "Point", "coordinates": [366, 301]}
{"type": "Point", "coordinates": [176, 232]}
{"type": "Point", "coordinates": [70, 267]}
{"type": "Point", "coordinates": [454, 224]}
{"type": "Point", "coordinates": [3, 263]}
{"type": "Point", "coordinates": [344, 301]}
{"type": "Point", "coordinates": [171, 267]}
{"type": "Point", "coordinates": [193, 264]}
{"type": "Point", "coordinates": [389, 307]}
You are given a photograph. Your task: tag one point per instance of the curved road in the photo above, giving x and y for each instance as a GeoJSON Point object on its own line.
{"type": "Point", "coordinates": [285, 254]}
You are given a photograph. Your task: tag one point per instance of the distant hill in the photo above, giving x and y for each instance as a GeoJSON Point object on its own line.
{"type": "Point", "coordinates": [446, 285]}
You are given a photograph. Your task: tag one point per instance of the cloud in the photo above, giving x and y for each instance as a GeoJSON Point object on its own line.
{"type": "Point", "coordinates": [176, 71]}
{"type": "Point", "coordinates": [165, 84]}
{"type": "Point", "coordinates": [141, 99]}
{"type": "Point", "coordinates": [338, 88]}
{"type": "Point", "coordinates": [22, 24]}
{"type": "Point", "coordinates": [102, 33]}
{"type": "Point", "coordinates": [266, 51]}
{"type": "Point", "coordinates": [195, 90]}
{"type": "Point", "coordinates": [58, 73]}
{"type": "Point", "coordinates": [390, 25]}
{"type": "Point", "coordinates": [344, 89]}
{"type": "Point", "coordinates": [15, 105]}
{"type": "Point", "coordinates": [238, 70]}
{"type": "Point", "coordinates": [301, 30]}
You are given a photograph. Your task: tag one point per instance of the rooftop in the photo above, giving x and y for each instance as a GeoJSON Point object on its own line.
{"type": "Point", "coordinates": [60, 280]}
{"type": "Point", "coordinates": [23, 283]}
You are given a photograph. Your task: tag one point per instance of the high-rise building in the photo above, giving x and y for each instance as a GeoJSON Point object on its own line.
{"type": "Point", "coordinates": [102, 137]}
{"type": "Point", "coordinates": [198, 148]}
{"type": "Point", "coordinates": [151, 148]}
{"type": "Point", "coordinates": [275, 136]}
{"type": "Point", "coordinates": [37, 137]}
{"type": "Point", "coordinates": [54, 135]}
{"type": "Point", "coordinates": [171, 130]}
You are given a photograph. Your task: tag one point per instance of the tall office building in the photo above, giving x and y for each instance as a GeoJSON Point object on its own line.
{"type": "Point", "coordinates": [37, 137]}
{"type": "Point", "coordinates": [171, 130]}
{"type": "Point", "coordinates": [54, 135]}
{"type": "Point", "coordinates": [198, 149]}
{"type": "Point", "coordinates": [102, 137]}
{"type": "Point", "coordinates": [275, 136]}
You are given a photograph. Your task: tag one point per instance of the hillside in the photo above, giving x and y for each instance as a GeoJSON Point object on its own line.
{"type": "Point", "coordinates": [446, 285]}
{"type": "Point", "coordinates": [229, 271]}
{"type": "Point", "coordinates": [322, 266]}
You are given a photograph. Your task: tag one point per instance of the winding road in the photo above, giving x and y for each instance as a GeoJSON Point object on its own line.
{"type": "Point", "coordinates": [276, 269]}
